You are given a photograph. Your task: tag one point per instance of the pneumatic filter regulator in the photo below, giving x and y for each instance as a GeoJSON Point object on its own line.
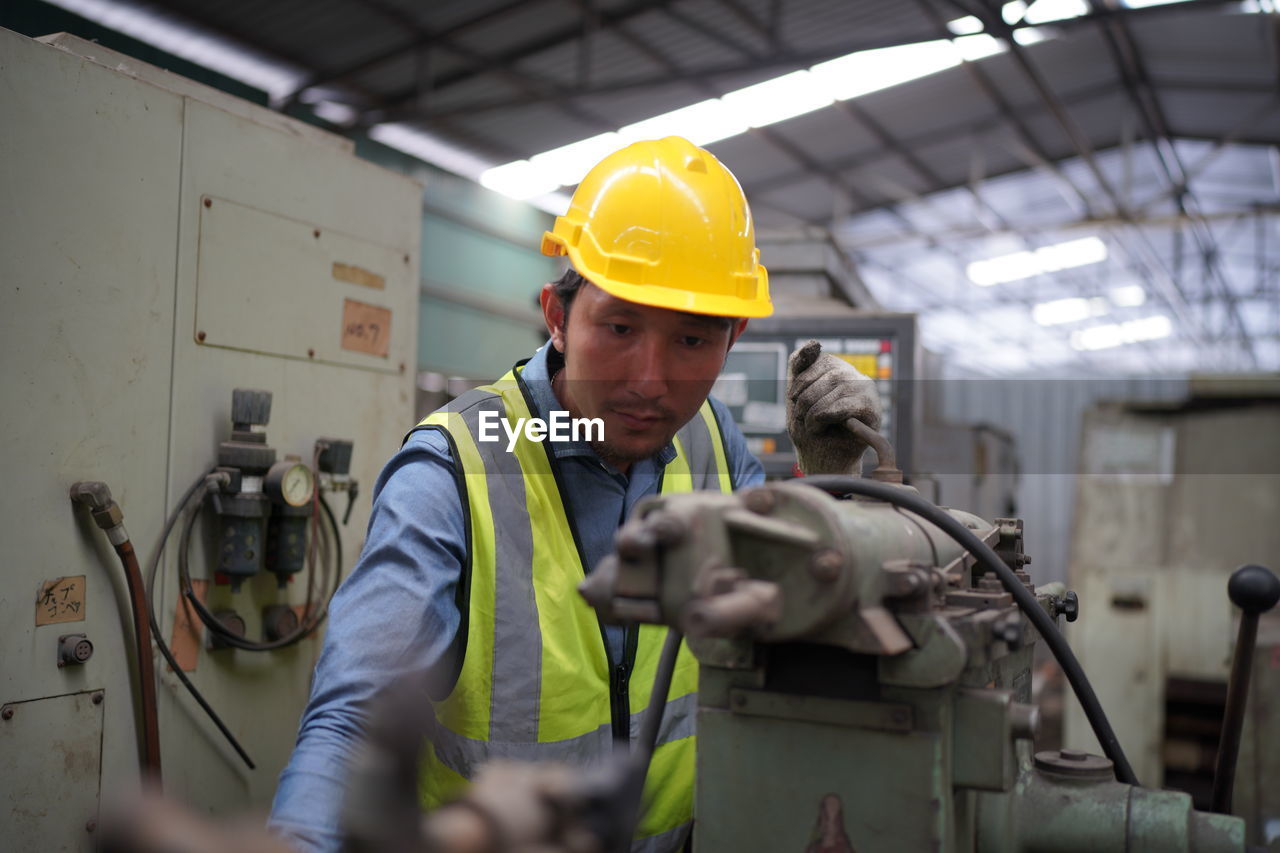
{"type": "Point", "coordinates": [245, 508]}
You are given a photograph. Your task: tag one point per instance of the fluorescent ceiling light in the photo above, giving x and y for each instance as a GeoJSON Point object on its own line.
{"type": "Point", "coordinates": [762, 104]}
{"type": "Point", "coordinates": [1068, 310]}
{"type": "Point", "coordinates": [519, 180]}
{"type": "Point", "coordinates": [1019, 265]}
{"type": "Point", "coordinates": [701, 123]}
{"type": "Point", "coordinates": [568, 163]}
{"type": "Point", "coordinates": [966, 26]}
{"type": "Point", "coordinates": [1029, 35]}
{"type": "Point", "coordinates": [1117, 334]}
{"type": "Point", "coordinates": [1013, 12]}
{"type": "Point", "coordinates": [872, 70]}
{"type": "Point", "coordinates": [778, 99]}
{"type": "Point", "coordinates": [1142, 4]}
{"type": "Point", "coordinates": [1045, 11]}
{"type": "Point", "coordinates": [1039, 12]}
{"type": "Point", "coordinates": [1128, 296]}
{"type": "Point", "coordinates": [334, 112]}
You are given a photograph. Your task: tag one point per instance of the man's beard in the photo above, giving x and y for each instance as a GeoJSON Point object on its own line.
{"type": "Point", "coordinates": [613, 454]}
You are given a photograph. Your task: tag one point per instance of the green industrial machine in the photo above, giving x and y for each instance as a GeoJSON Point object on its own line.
{"type": "Point", "coordinates": [865, 678]}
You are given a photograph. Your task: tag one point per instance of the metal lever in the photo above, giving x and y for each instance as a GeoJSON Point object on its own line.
{"type": "Point", "coordinates": [1255, 590]}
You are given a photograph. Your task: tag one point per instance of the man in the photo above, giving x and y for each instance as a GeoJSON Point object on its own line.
{"type": "Point", "coordinates": [476, 546]}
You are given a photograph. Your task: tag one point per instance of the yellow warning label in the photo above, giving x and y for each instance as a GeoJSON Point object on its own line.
{"type": "Point", "coordinates": [864, 362]}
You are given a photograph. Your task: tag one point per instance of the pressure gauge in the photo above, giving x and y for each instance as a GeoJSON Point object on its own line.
{"type": "Point", "coordinates": [289, 482]}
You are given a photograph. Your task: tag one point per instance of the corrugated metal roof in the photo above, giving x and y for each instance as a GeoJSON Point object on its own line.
{"type": "Point", "coordinates": [507, 79]}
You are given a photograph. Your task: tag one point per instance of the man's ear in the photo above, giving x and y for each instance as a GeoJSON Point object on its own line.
{"type": "Point", "coordinates": [553, 315]}
{"type": "Point", "coordinates": [738, 328]}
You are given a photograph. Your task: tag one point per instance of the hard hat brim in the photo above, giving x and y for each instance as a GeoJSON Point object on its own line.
{"type": "Point", "coordinates": [673, 299]}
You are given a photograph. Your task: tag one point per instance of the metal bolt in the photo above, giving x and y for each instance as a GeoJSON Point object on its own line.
{"type": "Point", "coordinates": [200, 336]}
{"type": "Point", "coordinates": [402, 367]}
{"type": "Point", "coordinates": [903, 583]}
{"type": "Point", "coordinates": [406, 259]}
{"type": "Point", "coordinates": [311, 353]}
{"type": "Point", "coordinates": [7, 713]}
{"type": "Point", "coordinates": [91, 825]}
{"type": "Point", "coordinates": [97, 698]}
{"type": "Point", "coordinates": [316, 233]}
{"type": "Point", "coordinates": [761, 501]}
{"type": "Point", "coordinates": [990, 582]}
{"type": "Point", "coordinates": [208, 202]}
{"type": "Point", "coordinates": [826, 565]}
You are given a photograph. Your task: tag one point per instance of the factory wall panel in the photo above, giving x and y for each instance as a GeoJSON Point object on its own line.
{"type": "Point", "coordinates": [475, 242]}
{"type": "Point", "coordinates": [161, 247]}
{"type": "Point", "coordinates": [1044, 416]}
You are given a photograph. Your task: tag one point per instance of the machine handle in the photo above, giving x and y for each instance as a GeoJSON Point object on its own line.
{"type": "Point", "coordinates": [1255, 590]}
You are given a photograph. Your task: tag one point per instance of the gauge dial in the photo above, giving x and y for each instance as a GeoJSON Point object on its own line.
{"type": "Point", "coordinates": [290, 483]}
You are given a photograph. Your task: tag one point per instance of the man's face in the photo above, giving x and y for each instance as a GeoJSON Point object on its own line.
{"type": "Point", "coordinates": [644, 371]}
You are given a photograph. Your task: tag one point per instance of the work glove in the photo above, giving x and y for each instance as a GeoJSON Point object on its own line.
{"type": "Point", "coordinates": [823, 392]}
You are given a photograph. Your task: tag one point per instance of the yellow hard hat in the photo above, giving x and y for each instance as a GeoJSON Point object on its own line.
{"type": "Point", "coordinates": [664, 223]}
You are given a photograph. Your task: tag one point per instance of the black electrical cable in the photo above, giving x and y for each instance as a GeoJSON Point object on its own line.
{"type": "Point", "coordinates": [1024, 598]}
{"type": "Point", "coordinates": [201, 485]}
{"type": "Point", "coordinates": [221, 631]}
{"type": "Point", "coordinates": [647, 742]}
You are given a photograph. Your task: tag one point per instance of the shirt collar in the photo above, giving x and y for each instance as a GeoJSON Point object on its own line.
{"type": "Point", "coordinates": [537, 375]}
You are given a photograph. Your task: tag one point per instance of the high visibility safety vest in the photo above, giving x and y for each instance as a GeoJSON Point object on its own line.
{"type": "Point", "coordinates": [535, 680]}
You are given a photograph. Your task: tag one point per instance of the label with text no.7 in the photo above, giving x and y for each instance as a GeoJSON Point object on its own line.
{"type": "Point", "coordinates": [366, 328]}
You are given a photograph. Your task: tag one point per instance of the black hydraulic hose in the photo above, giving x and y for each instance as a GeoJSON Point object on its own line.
{"type": "Point", "coordinates": [201, 486]}
{"type": "Point", "coordinates": [1024, 598]}
{"type": "Point", "coordinates": [647, 742]}
{"type": "Point", "coordinates": [337, 552]}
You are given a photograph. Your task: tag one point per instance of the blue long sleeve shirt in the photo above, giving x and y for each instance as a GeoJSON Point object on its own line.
{"type": "Point", "coordinates": [396, 613]}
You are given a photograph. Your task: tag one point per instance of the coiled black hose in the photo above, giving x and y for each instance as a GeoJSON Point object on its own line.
{"type": "Point", "coordinates": [308, 625]}
{"type": "Point", "coordinates": [152, 565]}
{"type": "Point", "coordinates": [1026, 601]}
{"type": "Point", "coordinates": [191, 503]}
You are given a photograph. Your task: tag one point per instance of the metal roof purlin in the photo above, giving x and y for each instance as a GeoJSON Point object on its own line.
{"type": "Point", "coordinates": [608, 20]}
{"type": "Point", "coordinates": [423, 39]}
{"type": "Point", "coordinates": [1169, 289]}
{"type": "Point", "coordinates": [1137, 83]}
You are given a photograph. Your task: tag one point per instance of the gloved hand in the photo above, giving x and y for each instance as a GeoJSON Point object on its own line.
{"type": "Point", "coordinates": [823, 392]}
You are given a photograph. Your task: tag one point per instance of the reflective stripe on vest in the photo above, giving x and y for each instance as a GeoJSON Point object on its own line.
{"type": "Point", "coordinates": [534, 683]}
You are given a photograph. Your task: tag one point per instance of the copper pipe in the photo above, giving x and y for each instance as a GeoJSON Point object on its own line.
{"type": "Point", "coordinates": [146, 668]}
{"type": "Point", "coordinates": [108, 516]}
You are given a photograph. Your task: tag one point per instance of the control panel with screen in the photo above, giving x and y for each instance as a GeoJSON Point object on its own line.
{"type": "Point", "coordinates": [754, 380]}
